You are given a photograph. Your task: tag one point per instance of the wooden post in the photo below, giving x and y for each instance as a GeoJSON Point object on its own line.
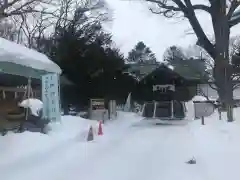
{"type": "Point", "coordinates": [172, 112]}
{"type": "Point", "coordinates": [103, 117]}
{"type": "Point", "coordinates": [203, 121]}
{"type": "Point", "coordinates": [28, 96]}
{"type": "Point", "coordinates": [15, 95]}
{"type": "Point", "coordinates": [4, 94]}
{"type": "Point", "coordinates": [220, 114]}
{"type": "Point", "coordinates": [154, 110]}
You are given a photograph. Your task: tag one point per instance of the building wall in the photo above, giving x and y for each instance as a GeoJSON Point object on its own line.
{"type": "Point", "coordinates": [212, 93]}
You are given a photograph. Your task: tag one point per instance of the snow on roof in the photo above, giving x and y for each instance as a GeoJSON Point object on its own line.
{"type": "Point", "coordinates": [19, 54]}
{"type": "Point", "coordinates": [34, 104]}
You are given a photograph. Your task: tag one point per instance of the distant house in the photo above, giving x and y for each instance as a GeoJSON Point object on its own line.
{"type": "Point", "coordinates": [205, 89]}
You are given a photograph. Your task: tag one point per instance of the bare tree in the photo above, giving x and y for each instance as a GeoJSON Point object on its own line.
{"type": "Point", "coordinates": [234, 58]}
{"type": "Point", "coordinates": [10, 8]}
{"type": "Point", "coordinates": [221, 12]}
{"type": "Point", "coordinates": [32, 27]}
{"type": "Point", "coordinates": [8, 30]}
{"type": "Point", "coordinates": [83, 11]}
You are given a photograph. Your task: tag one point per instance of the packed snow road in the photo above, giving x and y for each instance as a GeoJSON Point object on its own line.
{"type": "Point", "coordinates": [132, 149]}
{"type": "Point", "coordinates": [145, 153]}
{"type": "Point", "coordinates": [141, 151]}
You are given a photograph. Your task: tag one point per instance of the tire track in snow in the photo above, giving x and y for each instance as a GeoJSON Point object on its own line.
{"type": "Point", "coordinates": [130, 158]}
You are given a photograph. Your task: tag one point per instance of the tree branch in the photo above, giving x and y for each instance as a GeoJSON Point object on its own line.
{"type": "Point", "coordinates": [18, 7]}
{"type": "Point", "coordinates": [234, 5]}
{"type": "Point", "coordinates": [202, 7]}
{"type": "Point", "coordinates": [163, 4]}
{"type": "Point", "coordinates": [203, 40]}
{"type": "Point", "coordinates": [171, 8]}
{"type": "Point", "coordinates": [235, 19]}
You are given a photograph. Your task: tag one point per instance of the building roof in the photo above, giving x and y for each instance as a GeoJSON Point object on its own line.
{"type": "Point", "coordinates": [10, 80]}
{"type": "Point", "coordinates": [142, 69]}
{"type": "Point", "coordinates": [13, 54]}
{"type": "Point", "coordinates": [166, 75]}
{"type": "Point", "coordinates": [163, 75]}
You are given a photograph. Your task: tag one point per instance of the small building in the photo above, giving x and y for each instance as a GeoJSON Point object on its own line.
{"type": "Point", "coordinates": [185, 88]}
{"type": "Point", "coordinates": [163, 93]}
{"type": "Point", "coordinates": [21, 67]}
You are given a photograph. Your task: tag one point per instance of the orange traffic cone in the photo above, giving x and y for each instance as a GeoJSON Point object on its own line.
{"type": "Point", "coordinates": [90, 136]}
{"type": "Point", "coordinates": [100, 131]}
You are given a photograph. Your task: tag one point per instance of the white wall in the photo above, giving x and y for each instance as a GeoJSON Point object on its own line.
{"type": "Point", "coordinates": [212, 94]}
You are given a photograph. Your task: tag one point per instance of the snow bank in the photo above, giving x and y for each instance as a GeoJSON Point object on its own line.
{"type": "Point", "coordinates": [216, 146]}
{"type": "Point", "coordinates": [18, 54]}
{"type": "Point", "coordinates": [14, 147]}
{"type": "Point", "coordinates": [70, 126]}
{"type": "Point", "coordinates": [190, 110]}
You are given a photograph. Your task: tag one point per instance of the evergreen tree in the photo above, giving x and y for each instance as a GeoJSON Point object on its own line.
{"type": "Point", "coordinates": [141, 54]}
{"type": "Point", "coordinates": [88, 58]}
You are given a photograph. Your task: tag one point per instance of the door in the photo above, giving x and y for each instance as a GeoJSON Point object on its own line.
{"type": "Point", "coordinates": [178, 109]}
{"type": "Point", "coordinates": [163, 109]}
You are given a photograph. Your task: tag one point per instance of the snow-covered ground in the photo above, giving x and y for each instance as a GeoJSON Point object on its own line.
{"type": "Point", "coordinates": [130, 149]}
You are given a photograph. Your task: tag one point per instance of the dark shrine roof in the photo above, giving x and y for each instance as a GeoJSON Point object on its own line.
{"type": "Point", "coordinates": [165, 75]}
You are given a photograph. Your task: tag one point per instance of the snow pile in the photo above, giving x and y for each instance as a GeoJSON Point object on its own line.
{"type": "Point", "coordinates": [216, 147]}
{"type": "Point", "coordinates": [72, 126]}
{"type": "Point", "coordinates": [34, 104]}
{"type": "Point", "coordinates": [14, 147]}
{"type": "Point", "coordinates": [18, 54]}
{"type": "Point", "coordinates": [190, 110]}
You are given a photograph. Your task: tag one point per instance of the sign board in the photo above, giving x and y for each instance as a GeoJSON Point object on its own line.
{"type": "Point", "coordinates": [50, 97]}
{"type": "Point", "coordinates": [97, 104]}
{"type": "Point", "coordinates": [163, 88]}
{"type": "Point", "coordinates": [203, 108]}
{"type": "Point", "coordinates": [97, 109]}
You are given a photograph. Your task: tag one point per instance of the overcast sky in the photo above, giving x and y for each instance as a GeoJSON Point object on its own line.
{"type": "Point", "coordinates": [133, 22]}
